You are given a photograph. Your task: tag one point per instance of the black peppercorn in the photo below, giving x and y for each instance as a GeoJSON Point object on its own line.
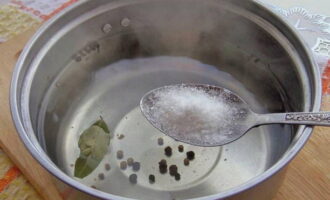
{"type": "Point", "coordinates": [168, 151]}
{"type": "Point", "coordinates": [177, 176]}
{"type": "Point", "coordinates": [130, 161]}
{"type": "Point", "coordinates": [120, 154]}
{"type": "Point", "coordinates": [173, 170]}
{"type": "Point", "coordinates": [190, 155]}
{"type": "Point", "coordinates": [162, 166]}
{"type": "Point", "coordinates": [132, 178]}
{"type": "Point", "coordinates": [152, 178]}
{"type": "Point", "coordinates": [186, 161]}
{"type": "Point", "coordinates": [123, 165]}
{"type": "Point", "coordinates": [180, 148]}
{"type": "Point", "coordinates": [136, 166]}
{"type": "Point", "coordinates": [160, 141]}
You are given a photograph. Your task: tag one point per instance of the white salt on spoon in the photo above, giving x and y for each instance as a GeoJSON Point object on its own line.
{"type": "Point", "coordinates": [206, 115]}
{"type": "Point", "coordinates": [189, 114]}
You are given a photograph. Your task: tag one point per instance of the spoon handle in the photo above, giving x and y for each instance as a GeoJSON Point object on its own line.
{"type": "Point", "coordinates": [303, 118]}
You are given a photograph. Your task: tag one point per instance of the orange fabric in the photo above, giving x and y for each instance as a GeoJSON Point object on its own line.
{"type": "Point", "coordinates": [35, 12]}
{"type": "Point", "coordinates": [326, 80]}
{"type": "Point", "coordinates": [66, 4]}
{"type": "Point", "coordinates": [10, 175]}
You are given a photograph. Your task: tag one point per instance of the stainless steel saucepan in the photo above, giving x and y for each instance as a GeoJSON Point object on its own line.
{"type": "Point", "coordinates": [98, 58]}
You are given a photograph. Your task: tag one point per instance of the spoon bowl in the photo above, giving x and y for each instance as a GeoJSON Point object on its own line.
{"type": "Point", "coordinates": [190, 130]}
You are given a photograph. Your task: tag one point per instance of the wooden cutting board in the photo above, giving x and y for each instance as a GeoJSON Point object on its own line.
{"type": "Point", "coordinates": [308, 175]}
{"type": "Point", "coordinates": [9, 140]}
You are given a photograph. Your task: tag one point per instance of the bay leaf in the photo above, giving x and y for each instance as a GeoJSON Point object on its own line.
{"type": "Point", "coordinates": [84, 166]}
{"type": "Point", "coordinates": [101, 123]}
{"type": "Point", "coordinates": [93, 144]}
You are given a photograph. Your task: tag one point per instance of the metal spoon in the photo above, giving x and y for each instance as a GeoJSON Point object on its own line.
{"type": "Point", "coordinates": [237, 122]}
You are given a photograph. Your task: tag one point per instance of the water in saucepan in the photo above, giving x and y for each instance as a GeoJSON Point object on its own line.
{"type": "Point", "coordinates": [114, 92]}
